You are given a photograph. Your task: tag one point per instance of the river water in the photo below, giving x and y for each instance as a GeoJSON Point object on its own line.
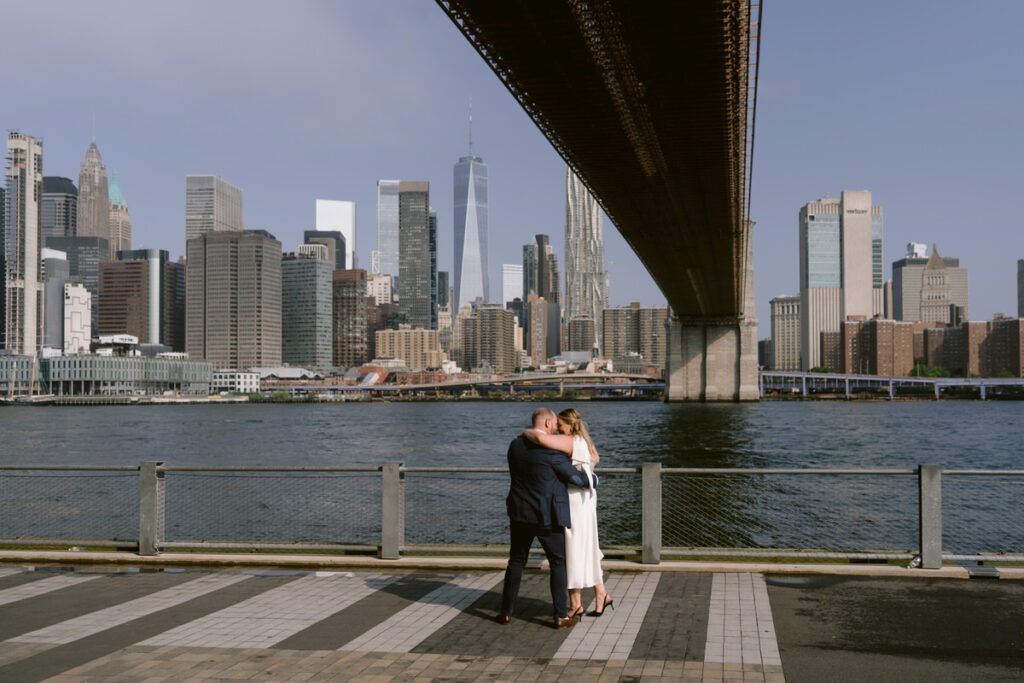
{"type": "Point", "coordinates": [839, 513]}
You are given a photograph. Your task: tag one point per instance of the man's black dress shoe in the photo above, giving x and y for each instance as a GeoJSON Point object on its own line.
{"type": "Point", "coordinates": [566, 622]}
{"type": "Point", "coordinates": [504, 619]}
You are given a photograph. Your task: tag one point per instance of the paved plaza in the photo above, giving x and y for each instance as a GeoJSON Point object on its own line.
{"type": "Point", "coordinates": [152, 624]}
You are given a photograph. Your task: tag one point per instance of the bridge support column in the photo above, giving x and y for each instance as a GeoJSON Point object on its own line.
{"type": "Point", "coordinates": [711, 360]}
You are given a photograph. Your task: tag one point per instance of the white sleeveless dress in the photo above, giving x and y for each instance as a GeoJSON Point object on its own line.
{"type": "Point", "coordinates": [582, 550]}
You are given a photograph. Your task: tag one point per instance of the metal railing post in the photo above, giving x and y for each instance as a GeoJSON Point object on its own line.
{"type": "Point", "coordinates": [151, 507]}
{"type": "Point", "coordinates": [929, 479]}
{"type": "Point", "coordinates": [392, 526]}
{"type": "Point", "coordinates": [651, 512]}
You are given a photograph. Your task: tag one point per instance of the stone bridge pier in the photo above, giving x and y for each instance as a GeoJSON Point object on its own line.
{"type": "Point", "coordinates": [711, 360]}
{"type": "Point", "coordinates": [715, 358]}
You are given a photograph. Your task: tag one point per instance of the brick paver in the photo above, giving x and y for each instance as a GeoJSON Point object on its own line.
{"type": "Point", "coordinates": [377, 627]}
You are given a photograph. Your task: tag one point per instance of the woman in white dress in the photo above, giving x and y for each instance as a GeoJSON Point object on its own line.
{"type": "Point", "coordinates": [582, 549]}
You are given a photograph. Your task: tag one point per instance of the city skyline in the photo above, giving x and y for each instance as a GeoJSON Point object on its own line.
{"type": "Point", "coordinates": [348, 143]}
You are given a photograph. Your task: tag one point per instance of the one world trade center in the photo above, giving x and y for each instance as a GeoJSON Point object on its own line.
{"type": "Point", "coordinates": [472, 278]}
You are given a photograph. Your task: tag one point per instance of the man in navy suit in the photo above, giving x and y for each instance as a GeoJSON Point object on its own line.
{"type": "Point", "coordinates": [538, 507]}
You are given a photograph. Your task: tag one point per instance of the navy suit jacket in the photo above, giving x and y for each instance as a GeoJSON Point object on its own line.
{"type": "Point", "coordinates": [539, 475]}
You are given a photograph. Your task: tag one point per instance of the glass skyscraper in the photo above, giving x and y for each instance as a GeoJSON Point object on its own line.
{"type": "Point", "coordinates": [841, 276]}
{"type": "Point", "coordinates": [212, 204]}
{"type": "Point", "coordinates": [417, 271]}
{"type": "Point", "coordinates": [306, 310]}
{"type": "Point", "coordinates": [472, 278]}
{"type": "Point", "coordinates": [60, 207]}
{"type": "Point", "coordinates": [385, 258]}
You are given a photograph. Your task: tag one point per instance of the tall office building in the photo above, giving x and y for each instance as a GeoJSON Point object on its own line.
{"type": "Point", "coordinates": [55, 271]}
{"type": "Point", "coordinates": [543, 331]}
{"type": "Point", "coordinates": [434, 294]}
{"type": "Point", "coordinates": [444, 293]}
{"type": "Point", "coordinates": [22, 277]}
{"type": "Point", "coordinates": [60, 207]}
{"type": "Point", "coordinates": [385, 257]}
{"type": "Point", "coordinates": [635, 329]}
{"type": "Point", "coordinates": [379, 288]}
{"type": "Point", "coordinates": [233, 299]}
{"type": "Point", "coordinates": [339, 216]}
{"type": "Point", "coordinates": [414, 273]}
{"type": "Point", "coordinates": [487, 339]}
{"type": "Point", "coordinates": [3, 266]}
{"type": "Point", "coordinates": [840, 267]}
{"type": "Point", "coordinates": [141, 295]}
{"type": "Point", "coordinates": [212, 204]}
{"type": "Point", "coordinates": [335, 243]}
{"type": "Point", "coordinates": [120, 219]}
{"type": "Point", "coordinates": [349, 321]}
{"type": "Point", "coordinates": [580, 334]}
{"type": "Point", "coordinates": [944, 279]}
{"type": "Point", "coordinates": [85, 254]}
{"type": "Point", "coordinates": [420, 349]}
{"type": "Point", "coordinates": [540, 270]}
{"type": "Point", "coordinates": [540, 278]}
{"type": "Point", "coordinates": [511, 282]}
{"type": "Point", "coordinates": [1020, 288]}
{"type": "Point", "coordinates": [785, 354]}
{"type": "Point", "coordinates": [472, 276]}
{"type": "Point", "coordinates": [94, 199]}
{"type": "Point", "coordinates": [586, 282]}
{"type": "Point", "coordinates": [306, 308]}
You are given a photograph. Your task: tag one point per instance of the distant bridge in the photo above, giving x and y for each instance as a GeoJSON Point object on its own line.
{"type": "Point", "coordinates": [600, 384]}
{"type": "Point", "coordinates": [807, 383]}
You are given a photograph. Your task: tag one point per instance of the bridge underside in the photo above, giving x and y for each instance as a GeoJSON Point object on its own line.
{"type": "Point", "coordinates": [652, 105]}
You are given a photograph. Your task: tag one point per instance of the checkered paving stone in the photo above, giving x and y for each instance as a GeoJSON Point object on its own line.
{"type": "Point", "coordinates": [475, 632]}
{"type": "Point", "coordinates": [675, 627]}
{"type": "Point", "coordinates": [42, 586]}
{"type": "Point", "coordinates": [408, 628]}
{"type": "Point", "coordinates": [612, 635]}
{"type": "Point", "coordinates": [223, 625]}
{"type": "Point", "coordinates": [741, 632]}
{"type": "Point", "coordinates": [80, 599]}
{"type": "Point", "coordinates": [359, 617]}
{"type": "Point", "coordinates": [37, 661]}
{"type": "Point", "coordinates": [273, 616]}
{"type": "Point", "coordinates": [94, 622]}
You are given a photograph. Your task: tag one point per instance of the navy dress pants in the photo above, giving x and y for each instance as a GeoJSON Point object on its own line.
{"type": "Point", "coordinates": [552, 539]}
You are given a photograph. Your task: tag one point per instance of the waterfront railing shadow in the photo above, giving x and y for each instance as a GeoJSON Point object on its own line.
{"type": "Point", "coordinates": [648, 513]}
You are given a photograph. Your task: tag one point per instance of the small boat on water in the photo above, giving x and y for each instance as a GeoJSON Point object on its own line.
{"type": "Point", "coordinates": [37, 400]}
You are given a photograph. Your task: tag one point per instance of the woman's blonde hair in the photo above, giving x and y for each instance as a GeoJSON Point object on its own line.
{"type": "Point", "coordinates": [577, 426]}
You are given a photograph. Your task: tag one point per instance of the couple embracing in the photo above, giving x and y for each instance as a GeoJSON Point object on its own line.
{"type": "Point", "coordinates": [552, 498]}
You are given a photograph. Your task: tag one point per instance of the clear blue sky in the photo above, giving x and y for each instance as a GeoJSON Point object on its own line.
{"type": "Point", "coordinates": [918, 102]}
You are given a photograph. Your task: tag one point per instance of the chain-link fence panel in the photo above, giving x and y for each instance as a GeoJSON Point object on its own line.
{"type": "Point", "coordinates": [273, 507]}
{"type": "Point", "coordinates": [619, 510]}
{"type": "Point", "coordinates": [980, 514]}
{"type": "Point", "coordinates": [838, 513]}
{"type": "Point", "coordinates": [468, 508]}
{"type": "Point", "coordinates": [456, 508]}
{"type": "Point", "coordinates": [69, 504]}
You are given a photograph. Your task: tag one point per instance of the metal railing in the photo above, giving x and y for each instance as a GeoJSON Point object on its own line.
{"type": "Point", "coordinates": [650, 513]}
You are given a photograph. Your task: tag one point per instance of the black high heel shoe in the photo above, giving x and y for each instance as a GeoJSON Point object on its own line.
{"type": "Point", "coordinates": [578, 613]}
{"type": "Point", "coordinates": [608, 602]}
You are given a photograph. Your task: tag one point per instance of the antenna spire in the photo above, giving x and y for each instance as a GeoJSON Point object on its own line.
{"type": "Point", "coordinates": [470, 126]}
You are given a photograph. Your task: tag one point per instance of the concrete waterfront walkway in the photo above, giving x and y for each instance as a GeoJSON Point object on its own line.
{"type": "Point", "coordinates": [373, 620]}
